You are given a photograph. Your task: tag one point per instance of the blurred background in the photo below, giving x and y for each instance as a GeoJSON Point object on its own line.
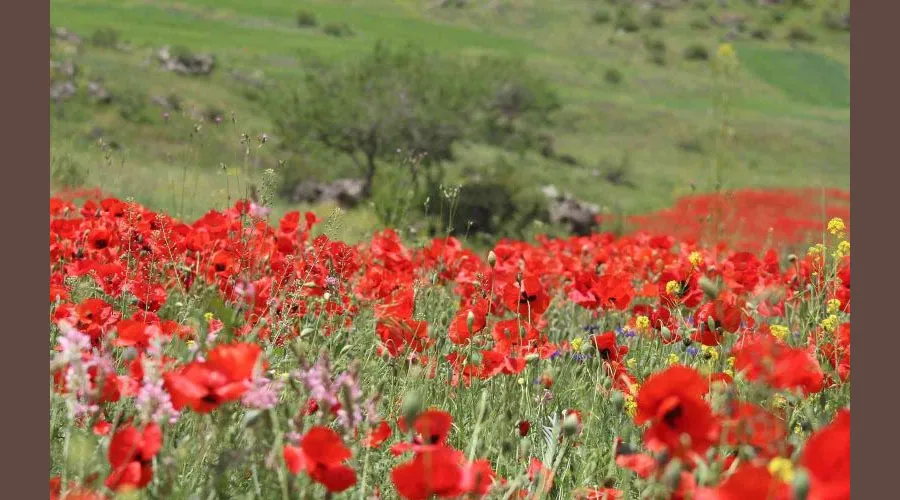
{"type": "Point", "coordinates": [477, 118]}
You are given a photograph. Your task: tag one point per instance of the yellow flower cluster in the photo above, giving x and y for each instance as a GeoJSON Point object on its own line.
{"type": "Point", "coordinates": [782, 468]}
{"type": "Point", "coordinates": [843, 249]}
{"type": "Point", "coordinates": [726, 52]}
{"type": "Point", "coordinates": [208, 316]}
{"type": "Point", "coordinates": [642, 323]}
{"type": "Point", "coordinates": [673, 359]}
{"type": "Point", "coordinates": [834, 305]}
{"type": "Point", "coordinates": [696, 259]}
{"type": "Point", "coordinates": [830, 323]}
{"type": "Point", "coordinates": [631, 362]}
{"type": "Point", "coordinates": [576, 344]}
{"type": "Point", "coordinates": [817, 249]}
{"type": "Point", "coordinates": [630, 405]}
{"type": "Point", "coordinates": [672, 287]}
{"type": "Point", "coordinates": [710, 353]}
{"type": "Point", "coordinates": [780, 332]}
{"type": "Point", "coordinates": [836, 227]}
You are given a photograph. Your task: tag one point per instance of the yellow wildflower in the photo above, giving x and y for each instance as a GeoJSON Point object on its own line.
{"type": "Point", "coordinates": [672, 287]}
{"type": "Point", "coordinates": [830, 323]}
{"type": "Point", "coordinates": [709, 353]}
{"type": "Point", "coordinates": [576, 344]}
{"type": "Point", "coordinates": [725, 51]}
{"type": "Point", "coordinates": [836, 226]}
{"type": "Point", "coordinates": [631, 362]}
{"type": "Point", "coordinates": [208, 316]}
{"type": "Point", "coordinates": [816, 249]}
{"type": "Point", "coordinates": [696, 259]}
{"type": "Point", "coordinates": [729, 372]}
{"type": "Point", "coordinates": [782, 468]}
{"type": "Point", "coordinates": [780, 332]}
{"type": "Point", "coordinates": [642, 323]}
{"type": "Point", "coordinates": [779, 401]}
{"type": "Point", "coordinates": [730, 361]}
{"type": "Point", "coordinates": [834, 305]}
{"type": "Point", "coordinates": [673, 359]}
{"type": "Point", "coordinates": [843, 249]}
{"type": "Point", "coordinates": [630, 405]}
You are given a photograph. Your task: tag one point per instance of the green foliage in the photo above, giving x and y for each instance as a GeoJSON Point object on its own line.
{"type": "Point", "coordinates": [107, 38]}
{"type": "Point", "coordinates": [601, 17]}
{"type": "Point", "coordinates": [696, 52]}
{"type": "Point", "coordinates": [418, 102]}
{"type": "Point", "coordinates": [66, 172]}
{"type": "Point", "coordinates": [339, 30]}
{"type": "Point", "coordinates": [613, 76]}
{"type": "Point", "coordinates": [498, 202]}
{"type": "Point", "coordinates": [306, 19]}
{"type": "Point", "coordinates": [798, 33]}
{"type": "Point", "coordinates": [655, 19]}
{"type": "Point", "coordinates": [804, 76]}
{"type": "Point", "coordinates": [134, 106]}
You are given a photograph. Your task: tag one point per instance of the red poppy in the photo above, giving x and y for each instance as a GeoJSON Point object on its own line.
{"type": "Point", "coordinates": [523, 426]}
{"type": "Point", "coordinates": [378, 435]}
{"type": "Point", "coordinates": [131, 453]}
{"type": "Point", "coordinates": [827, 459]}
{"type": "Point", "coordinates": [224, 377]}
{"type": "Point", "coordinates": [321, 455]}
{"type": "Point", "coordinates": [749, 481]}
{"type": "Point", "coordinates": [748, 424]}
{"type": "Point", "coordinates": [607, 348]}
{"type": "Point", "coordinates": [436, 472]}
{"type": "Point", "coordinates": [597, 494]}
{"type": "Point", "coordinates": [672, 401]}
{"type": "Point", "coordinates": [527, 298]}
{"type": "Point", "coordinates": [713, 319]}
{"type": "Point", "coordinates": [765, 359]}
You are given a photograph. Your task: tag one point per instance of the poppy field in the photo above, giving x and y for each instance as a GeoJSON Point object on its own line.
{"type": "Point", "coordinates": [245, 356]}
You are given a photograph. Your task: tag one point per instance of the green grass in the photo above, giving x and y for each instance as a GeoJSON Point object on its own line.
{"type": "Point", "coordinates": [788, 107]}
{"type": "Point", "coordinates": [804, 76]}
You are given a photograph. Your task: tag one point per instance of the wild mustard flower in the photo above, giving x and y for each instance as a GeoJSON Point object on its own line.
{"type": "Point", "coordinates": [817, 249]}
{"type": "Point", "coordinates": [834, 305]}
{"type": "Point", "coordinates": [672, 359]}
{"type": "Point", "coordinates": [577, 343]}
{"type": "Point", "coordinates": [725, 51]}
{"type": "Point", "coordinates": [672, 287]}
{"type": "Point", "coordinates": [836, 227]}
{"type": "Point", "coordinates": [631, 362]}
{"type": "Point", "coordinates": [782, 468]}
{"type": "Point", "coordinates": [630, 405]}
{"type": "Point", "coordinates": [843, 249]}
{"type": "Point", "coordinates": [709, 353]}
{"type": "Point", "coordinates": [642, 323]}
{"type": "Point", "coordinates": [696, 259]}
{"type": "Point", "coordinates": [830, 323]}
{"type": "Point", "coordinates": [780, 332]}
{"type": "Point", "coordinates": [208, 316]}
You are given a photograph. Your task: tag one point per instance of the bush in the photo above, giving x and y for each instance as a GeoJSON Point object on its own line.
{"type": "Point", "coordinates": [699, 24]}
{"type": "Point", "coordinates": [306, 19]}
{"type": "Point", "coordinates": [696, 52]}
{"type": "Point", "coordinates": [655, 19]}
{"type": "Point", "coordinates": [798, 33]}
{"type": "Point", "coordinates": [339, 30]}
{"type": "Point", "coordinates": [761, 33]}
{"type": "Point", "coordinates": [836, 21]}
{"type": "Point", "coordinates": [625, 21]}
{"type": "Point", "coordinates": [134, 107]}
{"type": "Point", "coordinates": [655, 44]}
{"type": "Point", "coordinates": [499, 202]}
{"type": "Point", "coordinates": [778, 16]}
{"type": "Point", "coordinates": [613, 76]}
{"type": "Point", "coordinates": [601, 17]}
{"type": "Point", "coordinates": [658, 58]}
{"type": "Point", "coordinates": [107, 38]}
{"type": "Point", "coordinates": [418, 102]}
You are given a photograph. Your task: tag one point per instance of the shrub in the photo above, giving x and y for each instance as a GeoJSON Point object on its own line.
{"type": "Point", "coordinates": [339, 30]}
{"type": "Point", "coordinates": [699, 24]}
{"type": "Point", "coordinates": [655, 44]}
{"type": "Point", "coordinates": [696, 52]}
{"type": "Point", "coordinates": [134, 107]}
{"type": "Point", "coordinates": [835, 21]}
{"type": "Point", "coordinates": [625, 21]}
{"type": "Point", "coordinates": [107, 38]}
{"type": "Point", "coordinates": [613, 76]}
{"type": "Point", "coordinates": [658, 58]}
{"type": "Point", "coordinates": [601, 17]}
{"type": "Point", "coordinates": [798, 33]}
{"type": "Point", "coordinates": [778, 16]}
{"type": "Point", "coordinates": [655, 19]}
{"type": "Point", "coordinates": [415, 101]}
{"type": "Point", "coordinates": [761, 33]}
{"type": "Point", "coordinates": [306, 19]}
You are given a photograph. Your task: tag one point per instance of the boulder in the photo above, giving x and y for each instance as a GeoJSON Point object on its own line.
{"type": "Point", "coordinates": [62, 34]}
{"type": "Point", "coordinates": [580, 217]}
{"type": "Point", "coordinates": [65, 70]}
{"type": "Point", "coordinates": [170, 102]}
{"type": "Point", "coordinates": [345, 192]}
{"type": "Point", "coordinates": [98, 93]}
{"type": "Point", "coordinates": [62, 91]}
{"type": "Point", "coordinates": [186, 64]}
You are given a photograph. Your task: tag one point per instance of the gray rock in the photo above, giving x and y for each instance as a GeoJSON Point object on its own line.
{"type": "Point", "coordinates": [170, 102]}
{"type": "Point", "coordinates": [62, 91]}
{"type": "Point", "coordinates": [60, 33]}
{"type": "Point", "coordinates": [65, 70]}
{"type": "Point", "coordinates": [98, 93]}
{"type": "Point", "coordinates": [580, 217]}
{"type": "Point", "coordinates": [345, 192]}
{"type": "Point", "coordinates": [186, 64]}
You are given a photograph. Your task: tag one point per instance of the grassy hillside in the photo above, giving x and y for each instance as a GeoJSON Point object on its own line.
{"type": "Point", "coordinates": [788, 102]}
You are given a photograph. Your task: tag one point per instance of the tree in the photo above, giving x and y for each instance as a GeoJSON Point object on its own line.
{"type": "Point", "coordinates": [416, 101]}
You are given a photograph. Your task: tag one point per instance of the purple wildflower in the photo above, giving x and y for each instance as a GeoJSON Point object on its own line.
{"type": "Point", "coordinates": [263, 394]}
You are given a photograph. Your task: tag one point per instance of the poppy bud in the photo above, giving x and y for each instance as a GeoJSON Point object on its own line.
{"type": "Point", "coordinates": [672, 476]}
{"type": "Point", "coordinates": [801, 485]}
{"type": "Point", "coordinates": [524, 426]}
{"type": "Point", "coordinates": [709, 287]}
{"type": "Point", "coordinates": [570, 425]}
{"type": "Point", "coordinates": [687, 341]}
{"type": "Point", "coordinates": [711, 323]}
{"type": "Point", "coordinates": [412, 406]}
{"type": "Point", "coordinates": [470, 321]}
{"type": "Point", "coordinates": [792, 258]}
{"type": "Point", "coordinates": [532, 357]}
{"type": "Point", "coordinates": [617, 400]}
{"type": "Point", "coordinates": [492, 258]}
